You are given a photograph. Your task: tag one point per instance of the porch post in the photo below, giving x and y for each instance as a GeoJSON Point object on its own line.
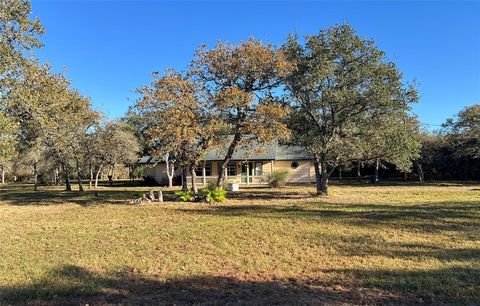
{"type": "Point", "coordinates": [309, 167]}
{"type": "Point", "coordinates": [204, 173]}
{"type": "Point", "coordinates": [248, 173]}
{"type": "Point", "coordinates": [271, 167]}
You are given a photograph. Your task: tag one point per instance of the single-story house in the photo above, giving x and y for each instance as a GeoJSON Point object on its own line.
{"type": "Point", "coordinates": [248, 168]}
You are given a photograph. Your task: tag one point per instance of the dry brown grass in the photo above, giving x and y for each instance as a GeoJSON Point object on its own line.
{"type": "Point", "coordinates": [362, 245]}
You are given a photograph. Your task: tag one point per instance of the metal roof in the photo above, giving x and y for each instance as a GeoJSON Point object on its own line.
{"type": "Point", "coordinates": [254, 151]}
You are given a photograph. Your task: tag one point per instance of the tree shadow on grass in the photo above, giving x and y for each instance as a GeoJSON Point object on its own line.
{"type": "Point", "coordinates": [269, 194]}
{"type": "Point", "coordinates": [358, 245]}
{"type": "Point", "coordinates": [446, 209]}
{"type": "Point", "coordinates": [72, 285]}
{"type": "Point", "coordinates": [431, 217]}
{"type": "Point", "coordinates": [401, 183]}
{"type": "Point", "coordinates": [447, 286]}
{"type": "Point", "coordinates": [24, 195]}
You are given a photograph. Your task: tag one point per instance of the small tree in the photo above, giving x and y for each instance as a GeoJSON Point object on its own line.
{"type": "Point", "coordinates": [180, 120]}
{"type": "Point", "coordinates": [111, 144]}
{"type": "Point", "coordinates": [170, 168]}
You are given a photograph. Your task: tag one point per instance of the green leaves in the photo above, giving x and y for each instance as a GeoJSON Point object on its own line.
{"type": "Point", "coordinates": [8, 138]}
{"type": "Point", "coordinates": [18, 34]}
{"type": "Point", "coordinates": [463, 131]}
{"type": "Point", "coordinates": [348, 102]}
{"type": "Point", "coordinates": [214, 194]}
{"type": "Point", "coordinates": [185, 196]}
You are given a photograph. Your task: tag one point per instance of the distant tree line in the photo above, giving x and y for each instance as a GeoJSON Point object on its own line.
{"type": "Point", "coordinates": [449, 153]}
{"type": "Point", "coordinates": [453, 152]}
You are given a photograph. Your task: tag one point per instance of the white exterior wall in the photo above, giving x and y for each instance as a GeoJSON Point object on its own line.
{"type": "Point", "coordinates": [159, 173]}
{"type": "Point", "coordinates": [301, 174]}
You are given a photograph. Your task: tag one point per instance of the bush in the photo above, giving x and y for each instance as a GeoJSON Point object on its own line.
{"type": "Point", "coordinates": [214, 194]}
{"type": "Point", "coordinates": [185, 196]}
{"type": "Point", "coordinates": [278, 178]}
{"type": "Point", "coordinates": [149, 181]}
{"type": "Point", "coordinates": [43, 179]}
{"type": "Point", "coordinates": [137, 171]}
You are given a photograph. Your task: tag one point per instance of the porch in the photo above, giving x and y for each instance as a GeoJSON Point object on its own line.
{"type": "Point", "coordinates": [241, 172]}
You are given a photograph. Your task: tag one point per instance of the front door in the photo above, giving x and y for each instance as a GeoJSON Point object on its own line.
{"type": "Point", "coordinates": [247, 166]}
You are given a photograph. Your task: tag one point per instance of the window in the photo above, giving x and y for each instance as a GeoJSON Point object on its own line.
{"type": "Point", "coordinates": [258, 169]}
{"type": "Point", "coordinates": [294, 164]}
{"type": "Point", "coordinates": [231, 169]}
{"type": "Point", "coordinates": [208, 170]}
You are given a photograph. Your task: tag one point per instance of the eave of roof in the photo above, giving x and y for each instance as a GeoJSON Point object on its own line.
{"type": "Point", "coordinates": [270, 152]}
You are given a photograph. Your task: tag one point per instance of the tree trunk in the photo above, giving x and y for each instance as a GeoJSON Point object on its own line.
{"type": "Point", "coordinates": [170, 166]}
{"type": "Point", "coordinates": [97, 175]}
{"type": "Point", "coordinates": [223, 165]}
{"type": "Point", "coordinates": [184, 179]}
{"type": "Point", "coordinates": [318, 175]}
{"type": "Point", "coordinates": [66, 172]}
{"type": "Point", "coordinates": [170, 182]}
{"type": "Point", "coordinates": [55, 175]}
{"type": "Point", "coordinates": [112, 174]}
{"type": "Point", "coordinates": [359, 174]}
{"type": "Point", "coordinates": [79, 177]}
{"type": "Point", "coordinates": [377, 176]}
{"type": "Point", "coordinates": [324, 178]}
{"type": "Point", "coordinates": [90, 180]}
{"type": "Point", "coordinates": [194, 181]}
{"type": "Point", "coordinates": [339, 173]}
{"type": "Point", "coordinates": [35, 176]}
{"type": "Point", "coordinates": [14, 172]}
{"type": "Point", "coordinates": [3, 174]}
{"type": "Point", "coordinates": [420, 171]}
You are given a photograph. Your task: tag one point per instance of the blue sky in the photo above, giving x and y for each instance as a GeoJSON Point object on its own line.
{"type": "Point", "coordinates": [110, 48]}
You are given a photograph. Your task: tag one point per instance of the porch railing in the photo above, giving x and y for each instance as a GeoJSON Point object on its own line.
{"type": "Point", "coordinates": [253, 180]}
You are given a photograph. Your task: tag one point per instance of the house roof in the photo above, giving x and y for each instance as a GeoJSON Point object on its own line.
{"type": "Point", "coordinates": [268, 152]}
{"type": "Point", "coordinates": [149, 160]}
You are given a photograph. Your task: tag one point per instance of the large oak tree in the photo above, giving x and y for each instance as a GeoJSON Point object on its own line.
{"type": "Point", "coordinates": [345, 96]}
{"type": "Point", "coordinates": [242, 79]}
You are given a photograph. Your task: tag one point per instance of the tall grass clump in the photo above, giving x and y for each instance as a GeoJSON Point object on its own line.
{"type": "Point", "coordinates": [278, 178]}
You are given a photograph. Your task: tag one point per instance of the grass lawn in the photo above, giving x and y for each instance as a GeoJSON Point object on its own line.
{"type": "Point", "coordinates": [362, 245]}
